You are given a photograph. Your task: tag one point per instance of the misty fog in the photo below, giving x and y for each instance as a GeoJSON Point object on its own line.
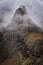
{"type": "Point", "coordinates": [8, 8]}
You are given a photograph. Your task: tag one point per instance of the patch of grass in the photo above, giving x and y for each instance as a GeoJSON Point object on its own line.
{"type": "Point", "coordinates": [32, 37]}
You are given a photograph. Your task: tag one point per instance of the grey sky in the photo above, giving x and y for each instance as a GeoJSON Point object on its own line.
{"type": "Point", "coordinates": [8, 6]}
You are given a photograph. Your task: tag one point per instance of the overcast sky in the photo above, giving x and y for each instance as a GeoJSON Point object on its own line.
{"type": "Point", "coordinates": [35, 7]}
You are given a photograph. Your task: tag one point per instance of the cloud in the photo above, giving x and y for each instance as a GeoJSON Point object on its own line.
{"type": "Point", "coordinates": [37, 12]}
{"type": "Point", "coordinates": [8, 7]}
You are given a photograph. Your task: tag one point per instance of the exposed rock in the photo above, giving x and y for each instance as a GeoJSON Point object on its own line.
{"type": "Point", "coordinates": [21, 10]}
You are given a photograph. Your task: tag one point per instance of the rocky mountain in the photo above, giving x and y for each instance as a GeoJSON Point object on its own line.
{"type": "Point", "coordinates": [21, 43]}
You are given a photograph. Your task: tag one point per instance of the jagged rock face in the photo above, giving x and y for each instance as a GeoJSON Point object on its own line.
{"type": "Point", "coordinates": [7, 44]}
{"type": "Point", "coordinates": [27, 46]}
{"type": "Point", "coordinates": [21, 10]}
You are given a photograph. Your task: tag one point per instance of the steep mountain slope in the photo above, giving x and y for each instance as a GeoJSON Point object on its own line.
{"type": "Point", "coordinates": [21, 43]}
{"type": "Point", "coordinates": [21, 21]}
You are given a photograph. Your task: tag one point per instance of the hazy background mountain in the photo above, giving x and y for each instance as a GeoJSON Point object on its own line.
{"type": "Point", "coordinates": [8, 7]}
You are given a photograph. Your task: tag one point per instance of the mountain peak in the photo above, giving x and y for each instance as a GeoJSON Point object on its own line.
{"type": "Point", "coordinates": [21, 10]}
